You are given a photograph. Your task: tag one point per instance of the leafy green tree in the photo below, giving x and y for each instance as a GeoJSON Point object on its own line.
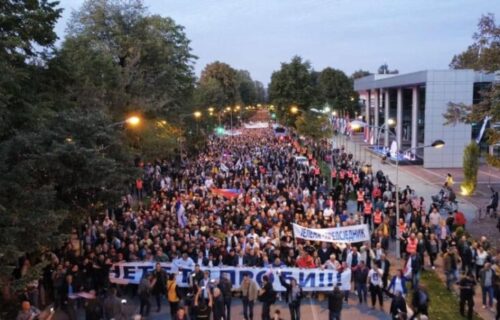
{"type": "Point", "coordinates": [260, 92]}
{"type": "Point", "coordinates": [482, 55]}
{"type": "Point", "coordinates": [247, 88]}
{"type": "Point", "coordinates": [292, 85]}
{"type": "Point", "coordinates": [313, 125]}
{"type": "Point", "coordinates": [384, 69]}
{"type": "Point", "coordinates": [219, 85]}
{"type": "Point", "coordinates": [336, 91]}
{"type": "Point", "coordinates": [127, 59]}
{"type": "Point", "coordinates": [360, 74]}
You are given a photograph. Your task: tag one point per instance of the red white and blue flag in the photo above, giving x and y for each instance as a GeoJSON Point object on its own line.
{"type": "Point", "coordinates": [227, 193]}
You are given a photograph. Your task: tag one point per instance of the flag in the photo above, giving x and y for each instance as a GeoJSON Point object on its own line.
{"type": "Point", "coordinates": [227, 193]}
{"type": "Point", "coordinates": [181, 214]}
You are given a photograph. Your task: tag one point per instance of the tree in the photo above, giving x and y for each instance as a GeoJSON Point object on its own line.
{"type": "Point", "coordinates": [292, 85]}
{"type": "Point", "coordinates": [482, 55]}
{"type": "Point", "coordinates": [125, 60]}
{"type": "Point", "coordinates": [260, 92]}
{"type": "Point", "coordinates": [246, 88]}
{"type": "Point", "coordinates": [360, 74]}
{"type": "Point", "coordinates": [336, 90]}
{"type": "Point", "coordinates": [313, 125]}
{"type": "Point", "coordinates": [219, 85]}
{"type": "Point", "coordinates": [384, 69]}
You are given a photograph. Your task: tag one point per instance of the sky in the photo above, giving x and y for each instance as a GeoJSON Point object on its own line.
{"type": "Point", "coordinates": [258, 35]}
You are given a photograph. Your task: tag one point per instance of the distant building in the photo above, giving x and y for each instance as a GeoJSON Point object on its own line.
{"type": "Point", "coordinates": [416, 102]}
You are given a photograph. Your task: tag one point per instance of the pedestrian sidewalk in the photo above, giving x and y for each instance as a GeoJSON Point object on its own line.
{"type": "Point", "coordinates": [423, 188]}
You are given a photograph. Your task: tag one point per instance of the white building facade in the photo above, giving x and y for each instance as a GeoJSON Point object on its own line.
{"type": "Point", "coordinates": [416, 102]}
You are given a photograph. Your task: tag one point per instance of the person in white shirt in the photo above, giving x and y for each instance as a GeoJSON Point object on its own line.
{"type": "Point", "coordinates": [328, 213]}
{"type": "Point", "coordinates": [332, 263]}
{"type": "Point", "coordinates": [375, 285]}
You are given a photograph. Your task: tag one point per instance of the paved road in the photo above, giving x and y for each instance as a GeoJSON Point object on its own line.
{"type": "Point", "coordinates": [311, 310]}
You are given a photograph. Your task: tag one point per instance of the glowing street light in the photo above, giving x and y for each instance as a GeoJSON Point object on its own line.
{"type": "Point", "coordinates": [391, 121]}
{"type": "Point", "coordinates": [197, 114]}
{"type": "Point", "coordinates": [294, 109]}
{"type": "Point", "coordinates": [133, 120]}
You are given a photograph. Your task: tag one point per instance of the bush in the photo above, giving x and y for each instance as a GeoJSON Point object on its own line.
{"type": "Point", "coordinates": [471, 167]}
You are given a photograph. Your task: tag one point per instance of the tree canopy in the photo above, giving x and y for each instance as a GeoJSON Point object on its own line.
{"type": "Point", "coordinates": [482, 55]}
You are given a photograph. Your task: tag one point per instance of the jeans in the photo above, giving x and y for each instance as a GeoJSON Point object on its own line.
{"type": "Point", "coordinates": [294, 310]}
{"type": "Point", "coordinates": [247, 309]}
{"type": "Point", "coordinates": [488, 291]}
{"type": "Point", "coordinates": [334, 315]}
{"type": "Point", "coordinates": [451, 277]}
{"type": "Point", "coordinates": [362, 292]}
{"type": "Point", "coordinates": [415, 279]}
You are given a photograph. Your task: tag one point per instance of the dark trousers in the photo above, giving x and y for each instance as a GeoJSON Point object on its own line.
{"type": "Point", "coordinates": [360, 206]}
{"type": "Point", "coordinates": [362, 292]}
{"type": "Point", "coordinates": [294, 310]}
{"type": "Point", "coordinates": [266, 311]}
{"type": "Point", "coordinates": [174, 306]}
{"type": "Point", "coordinates": [334, 315]}
{"type": "Point", "coordinates": [145, 304]}
{"type": "Point", "coordinates": [247, 309]}
{"type": "Point", "coordinates": [376, 291]}
{"type": "Point", "coordinates": [367, 219]}
{"type": "Point", "coordinates": [227, 307]}
{"type": "Point", "coordinates": [420, 310]}
{"type": "Point", "coordinates": [158, 301]}
{"type": "Point", "coordinates": [470, 306]}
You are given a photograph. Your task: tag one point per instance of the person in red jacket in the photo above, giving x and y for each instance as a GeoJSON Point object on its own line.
{"type": "Point", "coordinates": [305, 260]}
{"type": "Point", "coordinates": [460, 220]}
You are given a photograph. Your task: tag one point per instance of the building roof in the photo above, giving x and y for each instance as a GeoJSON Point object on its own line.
{"type": "Point", "coordinates": [378, 81]}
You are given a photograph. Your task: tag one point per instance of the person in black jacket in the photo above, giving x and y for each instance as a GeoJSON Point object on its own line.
{"type": "Point", "coordinates": [293, 296]}
{"type": "Point", "coordinates": [218, 305]}
{"type": "Point", "coordinates": [467, 285]}
{"type": "Point", "coordinates": [335, 301]}
{"type": "Point", "coordinates": [159, 285]}
{"type": "Point", "coordinates": [267, 296]}
{"type": "Point", "coordinates": [226, 286]}
{"type": "Point", "coordinates": [398, 306]}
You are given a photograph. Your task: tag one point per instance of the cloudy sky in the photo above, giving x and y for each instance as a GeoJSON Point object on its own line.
{"type": "Point", "coordinates": [257, 35]}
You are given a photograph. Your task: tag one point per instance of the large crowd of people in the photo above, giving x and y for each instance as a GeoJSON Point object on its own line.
{"type": "Point", "coordinates": [172, 213]}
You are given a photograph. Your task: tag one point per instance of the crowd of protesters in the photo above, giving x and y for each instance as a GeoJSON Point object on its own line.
{"type": "Point", "coordinates": [172, 214]}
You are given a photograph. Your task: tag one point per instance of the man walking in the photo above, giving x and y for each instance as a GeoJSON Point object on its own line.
{"type": "Point", "coordinates": [360, 279]}
{"type": "Point", "coordinates": [466, 285]}
{"type": "Point", "coordinates": [335, 304]}
{"type": "Point", "coordinates": [249, 291]}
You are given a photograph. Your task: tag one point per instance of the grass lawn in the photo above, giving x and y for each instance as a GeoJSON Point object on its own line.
{"type": "Point", "coordinates": [443, 303]}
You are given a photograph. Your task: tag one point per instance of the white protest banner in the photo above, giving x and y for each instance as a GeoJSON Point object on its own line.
{"type": "Point", "coordinates": [357, 233]}
{"type": "Point", "coordinates": [308, 279]}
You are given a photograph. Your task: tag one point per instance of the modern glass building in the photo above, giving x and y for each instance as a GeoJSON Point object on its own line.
{"type": "Point", "coordinates": [412, 106]}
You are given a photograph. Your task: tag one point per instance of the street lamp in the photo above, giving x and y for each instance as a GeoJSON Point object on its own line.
{"type": "Point", "coordinates": [133, 121]}
{"type": "Point", "coordinates": [435, 144]}
{"type": "Point", "coordinates": [294, 109]}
